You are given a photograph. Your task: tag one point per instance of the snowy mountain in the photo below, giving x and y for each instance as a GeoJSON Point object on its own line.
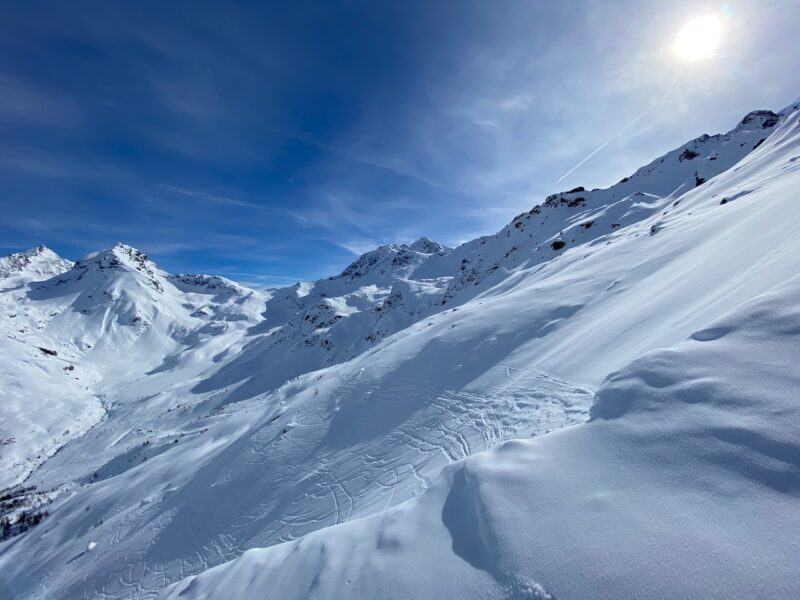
{"type": "Point", "coordinates": [111, 316]}
{"type": "Point", "coordinates": [32, 265]}
{"type": "Point", "coordinates": [400, 430]}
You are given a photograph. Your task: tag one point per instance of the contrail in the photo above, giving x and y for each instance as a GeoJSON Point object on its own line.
{"type": "Point", "coordinates": [624, 129]}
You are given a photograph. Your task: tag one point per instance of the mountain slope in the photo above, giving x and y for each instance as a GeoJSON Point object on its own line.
{"type": "Point", "coordinates": [392, 287]}
{"type": "Point", "coordinates": [683, 485]}
{"type": "Point", "coordinates": [313, 325]}
{"type": "Point", "coordinates": [581, 216]}
{"type": "Point", "coordinates": [222, 440]}
{"type": "Point", "coordinates": [637, 291]}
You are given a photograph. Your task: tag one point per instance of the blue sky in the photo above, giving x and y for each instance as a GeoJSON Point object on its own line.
{"type": "Point", "coordinates": [273, 141]}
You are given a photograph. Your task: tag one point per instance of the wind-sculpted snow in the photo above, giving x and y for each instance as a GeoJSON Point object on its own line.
{"type": "Point", "coordinates": [324, 449]}
{"type": "Point", "coordinates": [684, 485]}
{"type": "Point", "coordinates": [342, 424]}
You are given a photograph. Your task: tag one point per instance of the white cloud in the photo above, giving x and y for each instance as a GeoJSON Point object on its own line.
{"type": "Point", "coordinates": [359, 247]}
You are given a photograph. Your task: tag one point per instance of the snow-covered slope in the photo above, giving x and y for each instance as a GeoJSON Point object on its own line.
{"type": "Point", "coordinates": [390, 288]}
{"type": "Point", "coordinates": [342, 410]}
{"type": "Point", "coordinates": [683, 485]}
{"type": "Point", "coordinates": [313, 325]}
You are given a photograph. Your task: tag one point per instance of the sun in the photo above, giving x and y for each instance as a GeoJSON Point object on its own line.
{"type": "Point", "coordinates": [698, 38]}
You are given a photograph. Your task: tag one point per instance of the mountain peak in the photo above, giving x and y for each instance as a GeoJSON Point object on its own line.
{"type": "Point", "coordinates": [34, 264]}
{"type": "Point", "coordinates": [127, 252]}
{"type": "Point", "coordinates": [390, 260]}
{"type": "Point", "coordinates": [119, 254]}
{"type": "Point", "coordinates": [426, 246]}
{"type": "Point", "coordinates": [757, 119]}
{"type": "Point", "coordinates": [122, 256]}
{"type": "Point", "coordinates": [39, 251]}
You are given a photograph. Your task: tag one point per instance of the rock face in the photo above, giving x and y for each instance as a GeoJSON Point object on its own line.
{"type": "Point", "coordinates": [758, 119]}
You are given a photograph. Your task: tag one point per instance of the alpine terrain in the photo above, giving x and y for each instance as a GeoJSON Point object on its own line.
{"type": "Point", "coordinates": [598, 401]}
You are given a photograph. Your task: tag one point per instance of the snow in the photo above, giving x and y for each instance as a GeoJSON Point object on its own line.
{"type": "Point", "coordinates": [683, 485]}
{"type": "Point", "coordinates": [416, 426]}
{"type": "Point", "coordinates": [71, 332]}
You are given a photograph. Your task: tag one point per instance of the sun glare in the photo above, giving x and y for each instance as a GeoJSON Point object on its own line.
{"type": "Point", "coordinates": [698, 38]}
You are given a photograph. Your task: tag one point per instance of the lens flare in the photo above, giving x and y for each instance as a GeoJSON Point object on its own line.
{"type": "Point", "coordinates": [698, 38]}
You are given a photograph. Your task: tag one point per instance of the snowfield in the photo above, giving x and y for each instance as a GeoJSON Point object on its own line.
{"type": "Point", "coordinates": [599, 401]}
{"type": "Point", "coordinates": [683, 485]}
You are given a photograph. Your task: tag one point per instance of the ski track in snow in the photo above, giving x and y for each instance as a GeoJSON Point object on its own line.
{"type": "Point", "coordinates": [370, 476]}
{"type": "Point", "coordinates": [449, 427]}
{"type": "Point", "coordinates": [343, 476]}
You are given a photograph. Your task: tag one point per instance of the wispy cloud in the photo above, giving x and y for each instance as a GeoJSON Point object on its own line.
{"type": "Point", "coordinates": [206, 197]}
{"type": "Point", "coordinates": [22, 102]}
{"type": "Point", "coordinates": [286, 141]}
{"type": "Point", "coordinates": [358, 246]}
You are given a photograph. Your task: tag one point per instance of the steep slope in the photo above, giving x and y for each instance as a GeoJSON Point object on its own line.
{"type": "Point", "coordinates": [214, 451]}
{"type": "Point", "coordinates": [580, 216]}
{"type": "Point", "coordinates": [326, 322]}
{"type": "Point", "coordinates": [586, 313]}
{"type": "Point", "coordinates": [45, 404]}
{"type": "Point", "coordinates": [683, 485]}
